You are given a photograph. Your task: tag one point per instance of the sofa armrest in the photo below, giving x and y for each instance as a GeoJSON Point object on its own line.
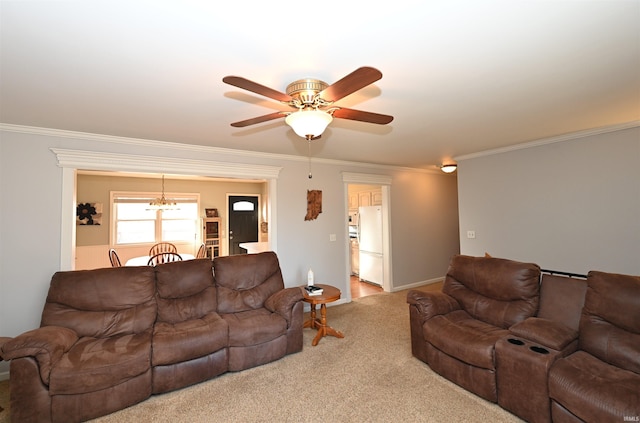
{"type": "Point", "coordinates": [431, 304]}
{"type": "Point", "coordinates": [282, 302]}
{"type": "Point", "coordinates": [46, 344]}
{"type": "Point", "coordinates": [551, 334]}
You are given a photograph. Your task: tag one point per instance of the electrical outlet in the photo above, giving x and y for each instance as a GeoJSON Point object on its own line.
{"type": "Point", "coordinates": [471, 234]}
{"type": "Point", "coordinates": [332, 237]}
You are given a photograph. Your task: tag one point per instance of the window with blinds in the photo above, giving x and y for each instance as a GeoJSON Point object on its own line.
{"type": "Point", "coordinates": [134, 221]}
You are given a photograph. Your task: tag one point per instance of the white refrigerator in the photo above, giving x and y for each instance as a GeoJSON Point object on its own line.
{"type": "Point", "coordinates": [370, 244]}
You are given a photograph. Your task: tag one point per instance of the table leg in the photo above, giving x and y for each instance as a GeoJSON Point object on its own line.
{"type": "Point", "coordinates": [311, 323]}
{"type": "Point", "coordinates": [323, 329]}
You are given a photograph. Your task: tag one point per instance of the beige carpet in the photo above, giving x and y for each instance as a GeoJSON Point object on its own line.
{"type": "Point", "coordinates": [369, 376]}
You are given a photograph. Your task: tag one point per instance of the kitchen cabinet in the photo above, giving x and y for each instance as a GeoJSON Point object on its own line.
{"type": "Point", "coordinates": [353, 201]}
{"type": "Point", "coordinates": [211, 228]}
{"type": "Point", "coordinates": [355, 257]}
{"type": "Point", "coordinates": [376, 197]}
{"type": "Point", "coordinates": [366, 198]}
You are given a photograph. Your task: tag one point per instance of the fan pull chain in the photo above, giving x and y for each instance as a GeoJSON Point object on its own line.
{"type": "Point", "coordinates": [309, 144]}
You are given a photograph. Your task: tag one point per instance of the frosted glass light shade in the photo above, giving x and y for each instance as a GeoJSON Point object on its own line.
{"type": "Point", "coordinates": [307, 123]}
{"type": "Point", "coordinates": [449, 168]}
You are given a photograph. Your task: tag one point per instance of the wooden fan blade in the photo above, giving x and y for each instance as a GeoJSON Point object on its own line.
{"type": "Point", "coordinates": [245, 84]}
{"type": "Point", "coordinates": [351, 83]}
{"type": "Point", "coordinates": [344, 113]}
{"type": "Point", "coordinates": [259, 119]}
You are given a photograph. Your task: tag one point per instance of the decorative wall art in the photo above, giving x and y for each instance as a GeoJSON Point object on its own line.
{"type": "Point", "coordinates": [89, 214]}
{"type": "Point", "coordinates": [211, 212]}
{"type": "Point", "coordinates": [314, 204]}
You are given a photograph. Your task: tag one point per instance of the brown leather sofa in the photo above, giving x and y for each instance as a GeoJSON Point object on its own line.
{"type": "Point", "coordinates": [110, 338]}
{"type": "Point", "coordinates": [455, 331]}
{"type": "Point", "coordinates": [600, 382]}
{"type": "Point", "coordinates": [576, 359]}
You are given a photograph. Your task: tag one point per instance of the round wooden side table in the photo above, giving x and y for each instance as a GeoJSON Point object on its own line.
{"type": "Point", "coordinates": [329, 294]}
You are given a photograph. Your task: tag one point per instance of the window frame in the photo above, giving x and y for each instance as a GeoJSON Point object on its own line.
{"type": "Point", "coordinates": [146, 197]}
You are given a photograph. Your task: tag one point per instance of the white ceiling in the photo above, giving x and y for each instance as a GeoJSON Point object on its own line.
{"type": "Point", "coordinates": [459, 77]}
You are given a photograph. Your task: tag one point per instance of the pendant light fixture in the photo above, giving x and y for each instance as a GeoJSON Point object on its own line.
{"type": "Point", "coordinates": [162, 203]}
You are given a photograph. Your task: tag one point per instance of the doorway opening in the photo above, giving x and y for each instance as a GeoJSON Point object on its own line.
{"type": "Point", "coordinates": [366, 246]}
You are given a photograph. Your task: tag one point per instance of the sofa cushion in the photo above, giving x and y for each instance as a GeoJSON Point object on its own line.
{"type": "Point", "coordinates": [610, 323]}
{"type": "Point", "coordinates": [93, 364]}
{"type": "Point", "coordinates": [102, 303]}
{"type": "Point", "coordinates": [246, 281]}
{"type": "Point", "coordinates": [254, 327]}
{"type": "Point", "coordinates": [461, 336]}
{"type": "Point", "coordinates": [594, 390]}
{"type": "Point", "coordinates": [185, 290]}
{"type": "Point", "coordinates": [547, 332]}
{"type": "Point", "coordinates": [181, 279]}
{"type": "Point", "coordinates": [561, 299]}
{"type": "Point", "coordinates": [182, 341]}
{"type": "Point", "coordinates": [497, 291]}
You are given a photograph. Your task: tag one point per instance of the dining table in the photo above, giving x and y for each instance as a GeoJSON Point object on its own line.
{"type": "Point", "coordinates": [144, 260]}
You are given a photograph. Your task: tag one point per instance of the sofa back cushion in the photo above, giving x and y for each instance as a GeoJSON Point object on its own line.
{"type": "Point", "coordinates": [561, 299]}
{"type": "Point", "coordinates": [245, 281]}
{"type": "Point", "coordinates": [610, 323]}
{"type": "Point", "coordinates": [497, 291]}
{"type": "Point", "coordinates": [102, 303]}
{"type": "Point", "coordinates": [185, 290]}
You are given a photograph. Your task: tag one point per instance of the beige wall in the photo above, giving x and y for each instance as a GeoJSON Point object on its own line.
{"type": "Point", "coordinates": [97, 188]}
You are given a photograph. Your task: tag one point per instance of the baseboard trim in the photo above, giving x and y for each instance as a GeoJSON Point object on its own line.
{"type": "Point", "coordinates": [418, 284]}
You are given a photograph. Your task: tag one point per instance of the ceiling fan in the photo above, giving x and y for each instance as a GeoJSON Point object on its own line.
{"type": "Point", "coordinates": [313, 100]}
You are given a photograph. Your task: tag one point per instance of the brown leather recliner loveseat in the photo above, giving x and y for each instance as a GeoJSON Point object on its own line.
{"type": "Point", "coordinates": [600, 382]}
{"type": "Point", "coordinates": [576, 358]}
{"type": "Point", "coordinates": [110, 338]}
{"type": "Point", "coordinates": [455, 331]}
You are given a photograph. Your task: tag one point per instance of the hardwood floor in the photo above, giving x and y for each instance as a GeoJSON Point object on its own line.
{"type": "Point", "coordinates": [363, 289]}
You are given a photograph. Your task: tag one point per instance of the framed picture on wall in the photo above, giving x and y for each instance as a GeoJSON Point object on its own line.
{"type": "Point", "coordinates": [211, 212]}
{"type": "Point", "coordinates": [89, 214]}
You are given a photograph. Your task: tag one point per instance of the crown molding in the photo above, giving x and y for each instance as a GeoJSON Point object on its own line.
{"type": "Point", "coordinates": [154, 144]}
{"type": "Point", "coordinates": [552, 140]}
{"type": "Point", "coordinates": [93, 160]}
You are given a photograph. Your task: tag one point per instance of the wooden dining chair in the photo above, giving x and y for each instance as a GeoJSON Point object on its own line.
{"type": "Point", "coordinates": [163, 258]}
{"type": "Point", "coordinates": [114, 259]}
{"type": "Point", "coordinates": [163, 247]}
{"type": "Point", "coordinates": [202, 251]}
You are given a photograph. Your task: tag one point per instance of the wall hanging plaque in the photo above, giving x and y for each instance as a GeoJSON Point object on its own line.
{"type": "Point", "coordinates": [89, 214]}
{"type": "Point", "coordinates": [314, 204]}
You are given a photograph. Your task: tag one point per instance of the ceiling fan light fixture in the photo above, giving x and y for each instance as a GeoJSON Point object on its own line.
{"type": "Point", "coordinates": [309, 123]}
{"type": "Point", "coordinates": [449, 167]}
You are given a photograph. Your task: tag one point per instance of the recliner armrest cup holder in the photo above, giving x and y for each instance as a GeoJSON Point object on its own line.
{"type": "Point", "coordinates": [534, 348]}
{"type": "Point", "coordinates": [519, 359]}
{"type": "Point", "coordinates": [539, 350]}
